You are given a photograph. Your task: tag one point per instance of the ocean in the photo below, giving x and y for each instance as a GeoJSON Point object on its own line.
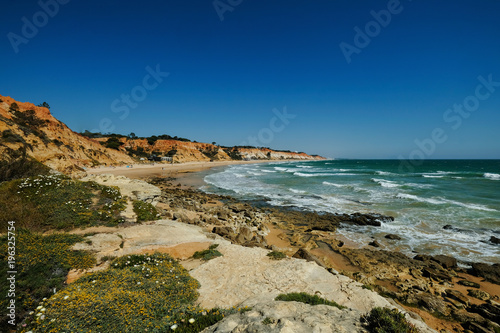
{"type": "Point", "coordinates": [463, 194]}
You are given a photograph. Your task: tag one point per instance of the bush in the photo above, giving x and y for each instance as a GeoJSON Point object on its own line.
{"type": "Point", "coordinates": [145, 211]}
{"type": "Point", "coordinates": [308, 299]}
{"type": "Point", "coordinates": [42, 264]}
{"type": "Point", "coordinates": [276, 255]}
{"type": "Point", "coordinates": [58, 202]}
{"type": "Point", "coordinates": [383, 320]}
{"type": "Point", "coordinates": [17, 164]}
{"type": "Point", "coordinates": [206, 255]}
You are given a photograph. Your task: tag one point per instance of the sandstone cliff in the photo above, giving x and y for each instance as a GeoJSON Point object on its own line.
{"type": "Point", "coordinates": [198, 151]}
{"type": "Point", "coordinates": [49, 140]}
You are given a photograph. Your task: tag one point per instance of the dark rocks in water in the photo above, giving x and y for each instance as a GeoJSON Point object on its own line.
{"type": "Point", "coordinates": [495, 240]}
{"type": "Point", "coordinates": [374, 243]}
{"type": "Point", "coordinates": [340, 244]}
{"type": "Point", "coordinates": [367, 219]}
{"type": "Point", "coordinates": [450, 227]}
{"type": "Point", "coordinates": [490, 272]}
{"type": "Point", "coordinates": [323, 227]}
{"type": "Point", "coordinates": [392, 236]}
{"type": "Point", "coordinates": [468, 283]}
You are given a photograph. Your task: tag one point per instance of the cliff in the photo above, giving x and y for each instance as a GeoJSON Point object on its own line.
{"type": "Point", "coordinates": [183, 151]}
{"type": "Point", "coordinates": [49, 140]}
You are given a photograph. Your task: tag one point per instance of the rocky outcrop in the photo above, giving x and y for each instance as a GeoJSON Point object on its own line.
{"type": "Point", "coordinates": [49, 140]}
{"type": "Point", "coordinates": [247, 277]}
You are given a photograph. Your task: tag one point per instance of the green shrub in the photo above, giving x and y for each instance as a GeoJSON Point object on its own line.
{"type": "Point", "coordinates": [145, 211]}
{"type": "Point", "coordinates": [211, 253]}
{"type": "Point", "coordinates": [383, 320]}
{"type": "Point", "coordinates": [17, 164]}
{"type": "Point", "coordinates": [308, 299]}
{"type": "Point", "coordinates": [42, 264]}
{"type": "Point", "coordinates": [276, 255]}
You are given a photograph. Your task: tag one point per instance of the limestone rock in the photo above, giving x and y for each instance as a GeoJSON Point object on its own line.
{"type": "Point", "coordinates": [133, 188]}
{"type": "Point", "coordinates": [288, 317]}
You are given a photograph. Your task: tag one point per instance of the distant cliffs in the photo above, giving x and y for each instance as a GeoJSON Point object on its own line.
{"type": "Point", "coordinates": [24, 126]}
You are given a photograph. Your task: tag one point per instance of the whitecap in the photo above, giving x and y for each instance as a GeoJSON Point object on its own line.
{"type": "Point", "coordinates": [492, 176]}
{"type": "Point", "coordinates": [385, 183]}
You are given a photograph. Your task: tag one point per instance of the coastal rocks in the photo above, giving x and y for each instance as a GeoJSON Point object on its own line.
{"type": "Point", "coordinates": [132, 188]}
{"type": "Point", "coordinates": [284, 317]}
{"type": "Point", "coordinates": [431, 303]}
{"type": "Point", "coordinates": [392, 236]}
{"type": "Point", "coordinates": [479, 294]}
{"type": "Point", "coordinates": [495, 240]}
{"type": "Point", "coordinates": [490, 272]}
{"type": "Point", "coordinates": [457, 295]}
{"type": "Point", "coordinates": [374, 243]}
{"type": "Point", "coordinates": [368, 219]}
{"type": "Point", "coordinates": [469, 284]}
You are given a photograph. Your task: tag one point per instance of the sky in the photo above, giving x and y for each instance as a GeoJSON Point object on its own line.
{"type": "Point", "coordinates": [344, 79]}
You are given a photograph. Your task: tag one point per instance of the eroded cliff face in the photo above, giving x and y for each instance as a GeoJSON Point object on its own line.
{"type": "Point", "coordinates": [49, 140]}
{"type": "Point", "coordinates": [197, 151]}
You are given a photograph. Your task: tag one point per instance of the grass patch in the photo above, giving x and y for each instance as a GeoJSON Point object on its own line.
{"type": "Point", "coordinates": [308, 299]}
{"type": "Point", "coordinates": [383, 320]}
{"type": "Point", "coordinates": [57, 202]}
{"type": "Point", "coordinates": [276, 255]}
{"type": "Point", "coordinates": [138, 293]}
{"type": "Point", "coordinates": [208, 254]}
{"type": "Point", "coordinates": [145, 211]}
{"type": "Point", "coordinates": [42, 264]}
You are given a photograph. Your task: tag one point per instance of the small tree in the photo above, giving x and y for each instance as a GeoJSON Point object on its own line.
{"type": "Point", "coordinates": [44, 105]}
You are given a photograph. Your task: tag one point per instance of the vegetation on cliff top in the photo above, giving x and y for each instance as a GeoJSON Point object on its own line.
{"type": "Point", "coordinates": [57, 202]}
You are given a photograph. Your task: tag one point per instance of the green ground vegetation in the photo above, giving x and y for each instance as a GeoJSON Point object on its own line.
{"type": "Point", "coordinates": [138, 293]}
{"type": "Point", "coordinates": [57, 202]}
{"type": "Point", "coordinates": [383, 320]}
{"type": "Point", "coordinates": [42, 264]}
{"type": "Point", "coordinates": [308, 299]}
{"type": "Point", "coordinates": [145, 211]}
{"type": "Point", "coordinates": [211, 253]}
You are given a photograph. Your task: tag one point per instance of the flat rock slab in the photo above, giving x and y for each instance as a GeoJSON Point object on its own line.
{"type": "Point", "coordinates": [133, 188]}
{"type": "Point", "coordinates": [290, 317]}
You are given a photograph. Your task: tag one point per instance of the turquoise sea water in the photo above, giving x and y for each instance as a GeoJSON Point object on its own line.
{"type": "Point", "coordinates": [461, 193]}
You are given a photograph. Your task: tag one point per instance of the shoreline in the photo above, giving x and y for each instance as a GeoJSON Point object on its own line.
{"type": "Point", "coordinates": [141, 171]}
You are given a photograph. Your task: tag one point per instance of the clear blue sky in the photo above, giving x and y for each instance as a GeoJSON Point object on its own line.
{"type": "Point", "coordinates": [226, 76]}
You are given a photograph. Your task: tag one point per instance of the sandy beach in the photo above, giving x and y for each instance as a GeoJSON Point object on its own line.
{"type": "Point", "coordinates": [180, 170]}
